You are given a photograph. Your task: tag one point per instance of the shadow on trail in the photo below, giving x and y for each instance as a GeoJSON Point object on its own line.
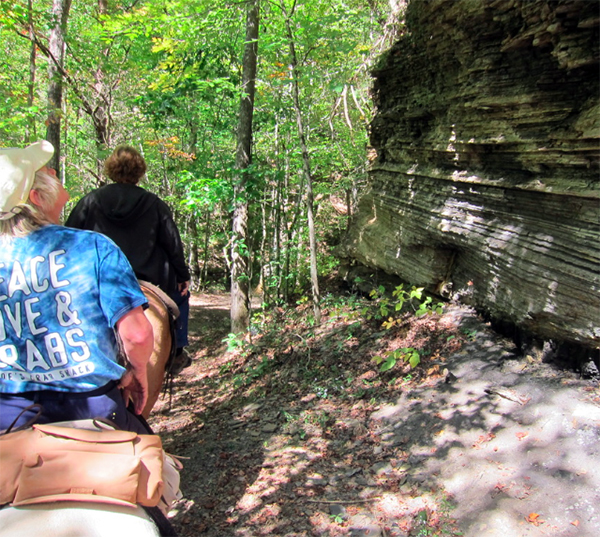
{"type": "Point", "coordinates": [516, 450]}
{"type": "Point", "coordinates": [502, 441]}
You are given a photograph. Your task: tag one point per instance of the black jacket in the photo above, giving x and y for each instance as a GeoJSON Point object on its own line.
{"type": "Point", "coordinates": [142, 225]}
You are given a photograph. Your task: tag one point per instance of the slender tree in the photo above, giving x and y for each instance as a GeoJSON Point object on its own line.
{"type": "Point", "coordinates": [56, 47]}
{"type": "Point", "coordinates": [240, 282]}
{"type": "Point", "coordinates": [31, 131]}
{"type": "Point", "coordinates": [305, 168]}
{"type": "Point", "coordinates": [101, 113]}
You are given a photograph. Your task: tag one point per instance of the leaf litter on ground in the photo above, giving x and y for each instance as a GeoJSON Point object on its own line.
{"type": "Point", "coordinates": [281, 428]}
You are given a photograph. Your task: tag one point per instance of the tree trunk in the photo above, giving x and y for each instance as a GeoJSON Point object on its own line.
{"type": "Point", "coordinates": [101, 109]}
{"type": "Point", "coordinates": [205, 257]}
{"type": "Point", "coordinates": [240, 284]}
{"type": "Point", "coordinates": [31, 134]}
{"type": "Point", "coordinates": [56, 46]}
{"type": "Point", "coordinates": [265, 261]}
{"type": "Point", "coordinates": [308, 176]}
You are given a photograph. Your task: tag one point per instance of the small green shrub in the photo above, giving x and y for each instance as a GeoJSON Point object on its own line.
{"type": "Point", "coordinates": [233, 341]}
{"type": "Point", "coordinates": [406, 354]}
{"type": "Point", "coordinates": [384, 307]}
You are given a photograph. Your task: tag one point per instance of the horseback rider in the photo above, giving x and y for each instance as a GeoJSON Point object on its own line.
{"type": "Point", "coordinates": [66, 298]}
{"type": "Point", "coordinates": [142, 225]}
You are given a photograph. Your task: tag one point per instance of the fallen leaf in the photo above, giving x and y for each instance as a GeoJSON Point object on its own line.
{"type": "Point", "coordinates": [499, 488]}
{"type": "Point", "coordinates": [483, 438]}
{"type": "Point", "coordinates": [520, 436]}
{"type": "Point", "coordinates": [433, 370]}
{"type": "Point", "coordinates": [575, 523]}
{"type": "Point", "coordinates": [534, 518]}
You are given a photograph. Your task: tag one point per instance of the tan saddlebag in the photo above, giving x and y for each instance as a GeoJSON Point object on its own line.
{"type": "Point", "coordinates": [49, 463]}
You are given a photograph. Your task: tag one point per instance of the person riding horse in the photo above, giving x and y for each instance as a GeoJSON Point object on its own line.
{"type": "Point", "coordinates": [67, 296]}
{"type": "Point", "coordinates": [142, 225]}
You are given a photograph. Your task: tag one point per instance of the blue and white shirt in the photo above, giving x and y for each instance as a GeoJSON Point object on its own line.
{"type": "Point", "coordinates": [62, 292]}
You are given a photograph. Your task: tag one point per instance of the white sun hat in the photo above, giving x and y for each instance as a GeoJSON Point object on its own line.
{"type": "Point", "coordinates": [17, 172]}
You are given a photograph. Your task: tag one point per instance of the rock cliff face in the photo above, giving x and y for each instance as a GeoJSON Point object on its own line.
{"type": "Point", "coordinates": [486, 183]}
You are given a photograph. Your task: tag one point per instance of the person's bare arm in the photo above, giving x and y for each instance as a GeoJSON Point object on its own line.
{"type": "Point", "coordinates": [138, 341]}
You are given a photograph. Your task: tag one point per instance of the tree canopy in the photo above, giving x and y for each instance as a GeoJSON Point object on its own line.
{"type": "Point", "coordinates": [166, 76]}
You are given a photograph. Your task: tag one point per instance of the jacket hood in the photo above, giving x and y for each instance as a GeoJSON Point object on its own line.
{"type": "Point", "coordinates": [122, 203]}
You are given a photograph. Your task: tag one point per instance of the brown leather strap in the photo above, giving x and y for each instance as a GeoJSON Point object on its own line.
{"type": "Point", "coordinates": [84, 435]}
{"type": "Point", "coordinates": [29, 422]}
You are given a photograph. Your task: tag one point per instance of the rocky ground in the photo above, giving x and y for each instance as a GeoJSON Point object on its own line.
{"type": "Point", "coordinates": [300, 433]}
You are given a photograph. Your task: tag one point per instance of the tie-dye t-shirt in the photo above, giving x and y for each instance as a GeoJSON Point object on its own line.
{"type": "Point", "coordinates": [61, 293]}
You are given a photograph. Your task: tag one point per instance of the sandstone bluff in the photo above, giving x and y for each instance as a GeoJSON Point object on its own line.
{"type": "Point", "coordinates": [485, 184]}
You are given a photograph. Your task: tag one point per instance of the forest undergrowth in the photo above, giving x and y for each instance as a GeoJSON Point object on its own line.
{"type": "Point", "coordinates": [274, 430]}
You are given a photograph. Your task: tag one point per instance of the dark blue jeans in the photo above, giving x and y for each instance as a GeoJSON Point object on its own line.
{"type": "Point", "coordinates": [106, 402]}
{"type": "Point", "coordinates": [181, 325]}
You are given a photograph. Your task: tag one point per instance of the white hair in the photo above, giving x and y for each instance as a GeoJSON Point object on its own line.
{"type": "Point", "coordinates": [27, 216]}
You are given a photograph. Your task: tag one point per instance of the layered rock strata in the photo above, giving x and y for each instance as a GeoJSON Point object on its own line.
{"type": "Point", "coordinates": [486, 183]}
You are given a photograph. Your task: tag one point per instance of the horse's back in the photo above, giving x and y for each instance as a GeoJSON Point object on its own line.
{"type": "Point", "coordinates": [158, 313]}
{"type": "Point", "coordinates": [70, 519]}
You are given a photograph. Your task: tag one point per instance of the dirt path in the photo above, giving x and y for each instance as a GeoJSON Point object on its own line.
{"type": "Point", "coordinates": [486, 445]}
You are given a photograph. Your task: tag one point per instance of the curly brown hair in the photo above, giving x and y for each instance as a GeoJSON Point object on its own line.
{"type": "Point", "coordinates": [125, 165]}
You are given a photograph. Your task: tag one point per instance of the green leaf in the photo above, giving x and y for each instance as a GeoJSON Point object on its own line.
{"type": "Point", "coordinates": [416, 292]}
{"type": "Point", "coordinates": [414, 359]}
{"type": "Point", "coordinates": [388, 364]}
